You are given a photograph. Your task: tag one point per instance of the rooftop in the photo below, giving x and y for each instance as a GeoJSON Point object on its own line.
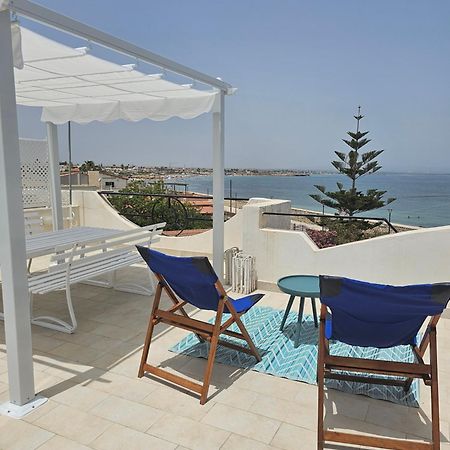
{"type": "Point", "coordinates": [97, 401]}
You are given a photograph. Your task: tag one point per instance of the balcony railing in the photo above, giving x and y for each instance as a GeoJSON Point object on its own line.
{"type": "Point", "coordinates": [180, 211]}
{"type": "Point", "coordinates": [337, 217]}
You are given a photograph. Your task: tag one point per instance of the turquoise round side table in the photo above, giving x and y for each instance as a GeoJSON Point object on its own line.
{"type": "Point", "coordinates": [303, 286]}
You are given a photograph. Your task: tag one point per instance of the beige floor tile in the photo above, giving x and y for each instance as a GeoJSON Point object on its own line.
{"type": "Point", "coordinates": [3, 387]}
{"type": "Point", "coordinates": [41, 411]}
{"type": "Point", "coordinates": [236, 441]}
{"type": "Point", "coordinates": [104, 344]}
{"type": "Point", "coordinates": [73, 424]}
{"type": "Point", "coordinates": [80, 397]}
{"type": "Point", "coordinates": [87, 292]}
{"type": "Point", "coordinates": [346, 424]}
{"type": "Point", "coordinates": [42, 361]}
{"type": "Point", "coordinates": [307, 394]}
{"type": "Point", "coordinates": [124, 365]}
{"type": "Point", "coordinates": [353, 406]}
{"type": "Point", "coordinates": [76, 353]}
{"type": "Point", "coordinates": [128, 346]}
{"type": "Point", "coordinates": [286, 411]}
{"type": "Point", "coordinates": [118, 437]}
{"type": "Point", "coordinates": [413, 437]}
{"type": "Point", "coordinates": [43, 381]}
{"type": "Point", "coordinates": [108, 360]}
{"type": "Point", "coordinates": [87, 325]}
{"type": "Point", "coordinates": [269, 385]}
{"type": "Point", "coordinates": [131, 414]}
{"type": "Point", "coordinates": [95, 368]}
{"type": "Point", "coordinates": [67, 370]}
{"type": "Point", "coordinates": [222, 375]}
{"type": "Point", "coordinates": [237, 397]}
{"type": "Point", "coordinates": [46, 343]}
{"type": "Point", "coordinates": [4, 396]}
{"type": "Point", "coordinates": [189, 433]}
{"type": "Point", "coordinates": [62, 443]}
{"type": "Point", "coordinates": [242, 422]}
{"type": "Point", "coordinates": [290, 437]}
{"type": "Point", "coordinates": [445, 431]}
{"type": "Point", "coordinates": [3, 366]}
{"type": "Point", "coordinates": [397, 417]}
{"type": "Point", "coordinates": [20, 435]}
{"type": "Point", "coordinates": [134, 389]}
{"type": "Point", "coordinates": [174, 401]}
{"type": "Point", "coordinates": [113, 331]}
{"type": "Point", "coordinates": [78, 338]}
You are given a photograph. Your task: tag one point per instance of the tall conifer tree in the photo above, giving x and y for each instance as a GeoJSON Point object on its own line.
{"type": "Point", "coordinates": [354, 164]}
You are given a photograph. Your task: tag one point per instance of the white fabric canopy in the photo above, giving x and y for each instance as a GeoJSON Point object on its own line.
{"type": "Point", "coordinates": [72, 85]}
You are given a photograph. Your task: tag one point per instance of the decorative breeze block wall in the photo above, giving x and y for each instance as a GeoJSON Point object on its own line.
{"type": "Point", "coordinates": [35, 176]}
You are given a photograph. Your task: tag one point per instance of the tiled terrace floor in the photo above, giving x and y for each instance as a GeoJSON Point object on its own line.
{"type": "Point", "coordinates": [96, 401]}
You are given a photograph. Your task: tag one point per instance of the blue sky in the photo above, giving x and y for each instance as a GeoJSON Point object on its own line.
{"type": "Point", "coordinates": [301, 68]}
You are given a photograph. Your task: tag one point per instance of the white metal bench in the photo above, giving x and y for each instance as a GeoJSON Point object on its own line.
{"type": "Point", "coordinates": [82, 261]}
{"type": "Point", "coordinates": [34, 224]}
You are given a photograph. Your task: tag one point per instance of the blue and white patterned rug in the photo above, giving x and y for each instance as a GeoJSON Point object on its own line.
{"type": "Point", "coordinates": [280, 358]}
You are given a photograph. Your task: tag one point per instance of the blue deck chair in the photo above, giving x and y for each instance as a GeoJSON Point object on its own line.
{"type": "Point", "coordinates": [193, 281]}
{"type": "Point", "coordinates": [374, 315]}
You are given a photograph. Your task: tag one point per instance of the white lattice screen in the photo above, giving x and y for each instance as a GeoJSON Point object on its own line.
{"type": "Point", "coordinates": [35, 174]}
{"type": "Point", "coordinates": [35, 177]}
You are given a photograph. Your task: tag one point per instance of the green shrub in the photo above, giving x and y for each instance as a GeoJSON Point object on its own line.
{"type": "Point", "coordinates": [146, 209]}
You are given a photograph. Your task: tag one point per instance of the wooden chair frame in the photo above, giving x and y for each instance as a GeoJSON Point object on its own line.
{"type": "Point", "coordinates": [178, 317]}
{"type": "Point", "coordinates": [328, 364]}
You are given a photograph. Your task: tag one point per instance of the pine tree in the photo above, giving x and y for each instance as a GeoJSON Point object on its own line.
{"type": "Point", "coordinates": [354, 164]}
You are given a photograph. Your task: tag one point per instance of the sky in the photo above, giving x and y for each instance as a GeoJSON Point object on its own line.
{"type": "Point", "coordinates": [301, 69]}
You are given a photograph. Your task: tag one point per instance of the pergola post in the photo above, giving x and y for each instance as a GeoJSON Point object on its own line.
{"type": "Point", "coordinates": [218, 184]}
{"type": "Point", "coordinates": [55, 183]}
{"type": "Point", "coordinates": [16, 302]}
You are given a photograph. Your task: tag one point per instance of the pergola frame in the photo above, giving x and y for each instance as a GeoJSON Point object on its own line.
{"type": "Point", "coordinates": [13, 257]}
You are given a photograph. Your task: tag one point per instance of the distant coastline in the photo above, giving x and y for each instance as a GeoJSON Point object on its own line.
{"type": "Point", "coordinates": [165, 172]}
{"type": "Point", "coordinates": [422, 199]}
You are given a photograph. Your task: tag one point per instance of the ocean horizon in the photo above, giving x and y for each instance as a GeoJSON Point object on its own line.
{"type": "Point", "coordinates": [422, 199]}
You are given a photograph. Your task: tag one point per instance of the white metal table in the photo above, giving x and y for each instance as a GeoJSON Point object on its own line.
{"type": "Point", "coordinates": [46, 243]}
{"type": "Point", "coordinates": [113, 249]}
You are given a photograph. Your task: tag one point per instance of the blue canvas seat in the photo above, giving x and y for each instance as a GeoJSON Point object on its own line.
{"type": "Point", "coordinates": [382, 316]}
{"type": "Point", "coordinates": [192, 280]}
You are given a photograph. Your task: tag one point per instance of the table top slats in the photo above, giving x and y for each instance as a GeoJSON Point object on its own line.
{"type": "Point", "coordinates": [46, 243]}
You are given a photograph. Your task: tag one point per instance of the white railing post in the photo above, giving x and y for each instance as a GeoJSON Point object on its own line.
{"type": "Point", "coordinates": [218, 184]}
{"type": "Point", "coordinates": [16, 302]}
{"type": "Point", "coordinates": [54, 177]}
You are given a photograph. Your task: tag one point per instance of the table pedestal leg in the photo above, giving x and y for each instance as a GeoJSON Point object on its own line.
{"type": "Point", "coordinates": [313, 304]}
{"type": "Point", "coordinates": [286, 313]}
{"type": "Point", "coordinates": [299, 321]}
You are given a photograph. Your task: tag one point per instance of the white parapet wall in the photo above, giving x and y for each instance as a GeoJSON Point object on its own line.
{"type": "Point", "coordinates": [419, 256]}
{"type": "Point", "coordinates": [95, 211]}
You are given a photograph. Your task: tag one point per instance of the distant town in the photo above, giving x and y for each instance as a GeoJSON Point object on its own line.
{"type": "Point", "coordinates": [126, 170]}
{"type": "Point", "coordinates": [116, 176]}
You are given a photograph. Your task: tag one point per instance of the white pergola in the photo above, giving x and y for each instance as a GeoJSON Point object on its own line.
{"type": "Point", "coordinates": [73, 85]}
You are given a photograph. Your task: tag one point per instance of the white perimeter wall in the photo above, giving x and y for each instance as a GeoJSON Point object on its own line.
{"type": "Point", "coordinates": [94, 211]}
{"type": "Point", "coordinates": [419, 256]}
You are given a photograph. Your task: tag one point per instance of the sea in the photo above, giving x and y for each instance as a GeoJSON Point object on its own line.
{"type": "Point", "coordinates": [421, 199]}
